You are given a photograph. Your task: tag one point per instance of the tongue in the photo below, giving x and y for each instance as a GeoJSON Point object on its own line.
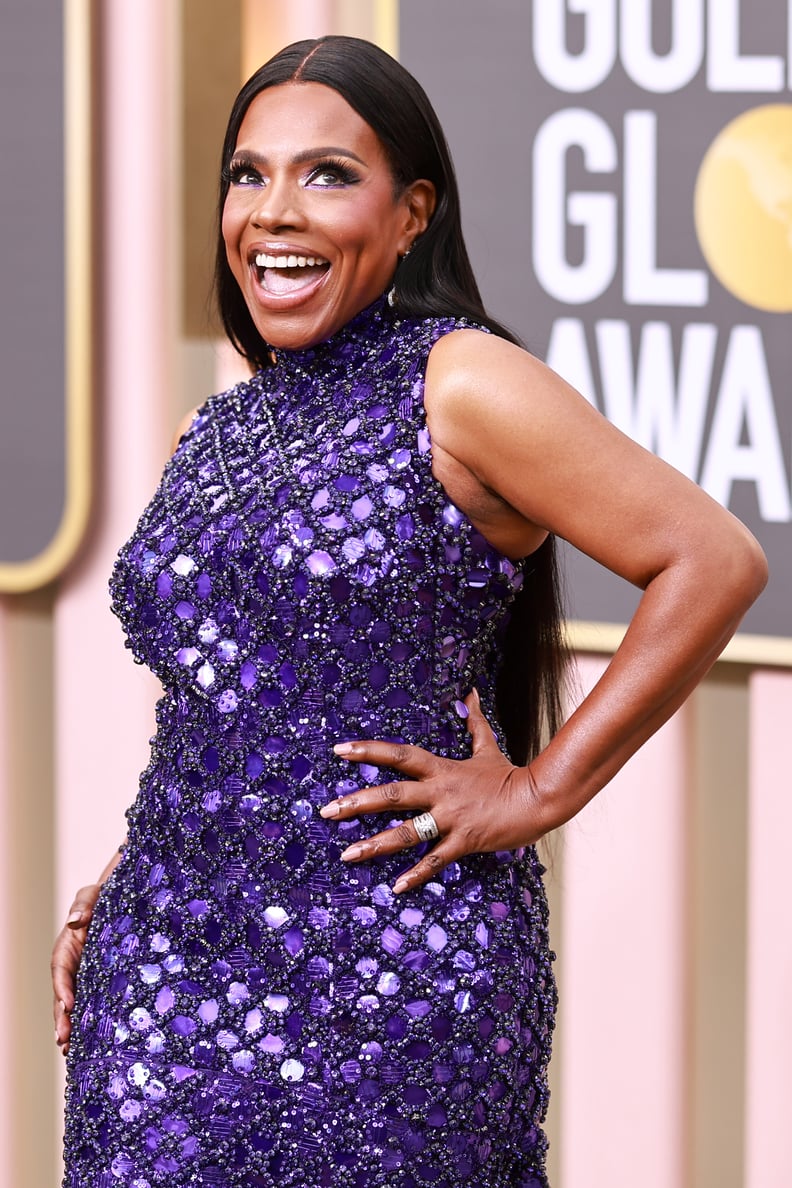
{"type": "Point", "coordinates": [289, 280]}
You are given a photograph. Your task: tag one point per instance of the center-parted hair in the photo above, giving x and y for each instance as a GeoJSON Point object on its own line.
{"type": "Point", "coordinates": [435, 280]}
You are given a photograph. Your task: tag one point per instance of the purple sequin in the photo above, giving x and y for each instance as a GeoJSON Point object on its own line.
{"type": "Point", "coordinates": [251, 1011]}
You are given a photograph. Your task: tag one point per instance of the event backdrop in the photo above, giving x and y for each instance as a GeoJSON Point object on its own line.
{"type": "Point", "coordinates": [46, 330]}
{"type": "Point", "coordinates": [670, 892]}
{"type": "Point", "coordinates": [626, 172]}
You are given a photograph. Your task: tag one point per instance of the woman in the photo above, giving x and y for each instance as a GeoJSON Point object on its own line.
{"type": "Point", "coordinates": [277, 987]}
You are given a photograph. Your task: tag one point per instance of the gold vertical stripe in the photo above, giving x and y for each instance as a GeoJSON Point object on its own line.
{"type": "Point", "coordinates": [211, 47]}
{"type": "Point", "coordinates": [260, 35]}
{"type": "Point", "coordinates": [79, 296]}
{"type": "Point", "coordinates": [78, 299]}
{"type": "Point", "coordinates": [386, 25]}
{"type": "Point", "coordinates": [719, 760]}
{"type": "Point", "coordinates": [28, 880]}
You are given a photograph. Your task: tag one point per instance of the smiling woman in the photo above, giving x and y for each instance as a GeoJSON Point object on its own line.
{"type": "Point", "coordinates": [336, 206]}
{"type": "Point", "coordinates": [288, 979]}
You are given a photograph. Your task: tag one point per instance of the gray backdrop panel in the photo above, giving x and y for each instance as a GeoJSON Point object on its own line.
{"type": "Point", "coordinates": [32, 407]}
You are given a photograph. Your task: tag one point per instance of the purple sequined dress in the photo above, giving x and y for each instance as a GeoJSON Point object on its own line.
{"type": "Point", "coordinates": [251, 1011]}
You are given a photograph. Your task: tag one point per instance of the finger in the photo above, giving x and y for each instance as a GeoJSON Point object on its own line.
{"type": "Point", "coordinates": [427, 868]}
{"type": "Point", "coordinates": [413, 761]}
{"type": "Point", "coordinates": [79, 918]}
{"type": "Point", "coordinates": [478, 726]}
{"type": "Point", "coordinates": [62, 1019]}
{"type": "Point", "coordinates": [65, 960]}
{"type": "Point", "coordinates": [378, 799]}
{"type": "Point", "coordinates": [63, 972]}
{"type": "Point", "coordinates": [402, 836]}
{"type": "Point", "coordinates": [82, 909]}
{"type": "Point", "coordinates": [62, 1028]}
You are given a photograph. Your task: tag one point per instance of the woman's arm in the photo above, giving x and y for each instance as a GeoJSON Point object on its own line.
{"type": "Point", "coordinates": [546, 458]}
{"type": "Point", "coordinates": [67, 950]}
{"type": "Point", "coordinates": [523, 454]}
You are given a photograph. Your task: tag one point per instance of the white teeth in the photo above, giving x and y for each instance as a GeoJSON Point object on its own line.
{"type": "Point", "coordinates": [265, 261]}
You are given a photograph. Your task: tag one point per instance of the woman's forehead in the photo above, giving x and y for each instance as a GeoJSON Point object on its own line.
{"type": "Point", "coordinates": [300, 115]}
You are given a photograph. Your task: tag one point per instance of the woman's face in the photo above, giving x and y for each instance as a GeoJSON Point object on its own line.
{"type": "Point", "coordinates": [312, 226]}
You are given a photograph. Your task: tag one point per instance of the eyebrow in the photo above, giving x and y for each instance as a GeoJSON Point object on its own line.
{"type": "Point", "coordinates": [304, 156]}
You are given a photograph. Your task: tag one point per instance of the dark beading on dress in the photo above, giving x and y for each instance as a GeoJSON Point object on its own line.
{"type": "Point", "coordinates": [250, 1010]}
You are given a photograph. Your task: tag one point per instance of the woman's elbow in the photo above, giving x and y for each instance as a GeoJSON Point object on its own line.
{"type": "Point", "coordinates": [746, 568]}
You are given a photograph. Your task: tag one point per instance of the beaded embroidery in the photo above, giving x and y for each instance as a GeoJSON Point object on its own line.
{"type": "Point", "coordinates": [250, 1010]}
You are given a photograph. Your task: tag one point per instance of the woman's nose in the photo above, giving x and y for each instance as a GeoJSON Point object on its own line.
{"type": "Point", "coordinates": [278, 206]}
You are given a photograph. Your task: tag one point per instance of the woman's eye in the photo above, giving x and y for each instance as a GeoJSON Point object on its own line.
{"type": "Point", "coordinates": [244, 175]}
{"type": "Point", "coordinates": [332, 175]}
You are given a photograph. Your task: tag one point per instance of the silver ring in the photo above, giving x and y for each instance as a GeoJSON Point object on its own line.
{"type": "Point", "coordinates": [426, 827]}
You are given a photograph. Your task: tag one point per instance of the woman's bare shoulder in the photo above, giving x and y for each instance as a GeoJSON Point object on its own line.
{"type": "Point", "coordinates": [470, 352]}
{"type": "Point", "coordinates": [470, 369]}
{"type": "Point", "coordinates": [479, 382]}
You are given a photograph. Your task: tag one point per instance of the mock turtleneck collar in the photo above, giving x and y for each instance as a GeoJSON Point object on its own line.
{"type": "Point", "coordinates": [356, 337]}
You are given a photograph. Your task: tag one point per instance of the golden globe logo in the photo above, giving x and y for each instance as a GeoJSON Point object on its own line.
{"type": "Point", "coordinates": [743, 207]}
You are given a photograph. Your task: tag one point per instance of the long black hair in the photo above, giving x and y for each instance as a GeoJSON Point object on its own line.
{"type": "Point", "coordinates": [434, 280]}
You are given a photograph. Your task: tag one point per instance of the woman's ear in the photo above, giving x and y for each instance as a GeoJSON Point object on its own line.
{"type": "Point", "coordinates": [420, 198]}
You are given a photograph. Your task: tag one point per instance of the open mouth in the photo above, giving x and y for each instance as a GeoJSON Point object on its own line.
{"type": "Point", "coordinates": [282, 275]}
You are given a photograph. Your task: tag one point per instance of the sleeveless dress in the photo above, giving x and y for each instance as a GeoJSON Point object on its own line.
{"type": "Point", "coordinates": [250, 1010]}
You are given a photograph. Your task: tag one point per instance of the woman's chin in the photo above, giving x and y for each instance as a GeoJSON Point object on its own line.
{"type": "Point", "coordinates": [294, 318]}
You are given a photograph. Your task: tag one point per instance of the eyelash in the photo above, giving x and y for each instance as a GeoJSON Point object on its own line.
{"type": "Point", "coordinates": [240, 168]}
{"type": "Point", "coordinates": [344, 172]}
{"type": "Point", "coordinates": [234, 173]}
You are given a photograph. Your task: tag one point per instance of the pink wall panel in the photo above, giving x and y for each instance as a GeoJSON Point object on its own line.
{"type": "Point", "coordinates": [622, 974]}
{"type": "Point", "coordinates": [104, 702]}
{"type": "Point", "coordinates": [768, 1139]}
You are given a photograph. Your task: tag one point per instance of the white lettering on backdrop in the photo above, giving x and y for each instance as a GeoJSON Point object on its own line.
{"type": "Point", "coordinates": [665, 408]}
{"type": "Point", "coordinates": [728, 68]}
{"type": "Point", "coordinates": [717, 423]}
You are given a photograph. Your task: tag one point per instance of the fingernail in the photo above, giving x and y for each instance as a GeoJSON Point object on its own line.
{"type": "Point", "coordinates": [74, 917]}
{"type": "Point", "coordinates": [476, 695]}
{"type": "Point", "coordinates": [351, 853]}
{"type": "Point", "coordinates": [330, 810]}
{"type": "Point", "coordinates": [344, 748]}
{"type": "Point", "coordinates": [63, 1006]}
{"type": "Point", "coordinates": [399, 886]}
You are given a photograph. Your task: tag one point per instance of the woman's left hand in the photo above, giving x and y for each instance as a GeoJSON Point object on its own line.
{"type": "Point", "coordinates": [66, 954]}
{"type": "Point", "coordinates": [480, 805]}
